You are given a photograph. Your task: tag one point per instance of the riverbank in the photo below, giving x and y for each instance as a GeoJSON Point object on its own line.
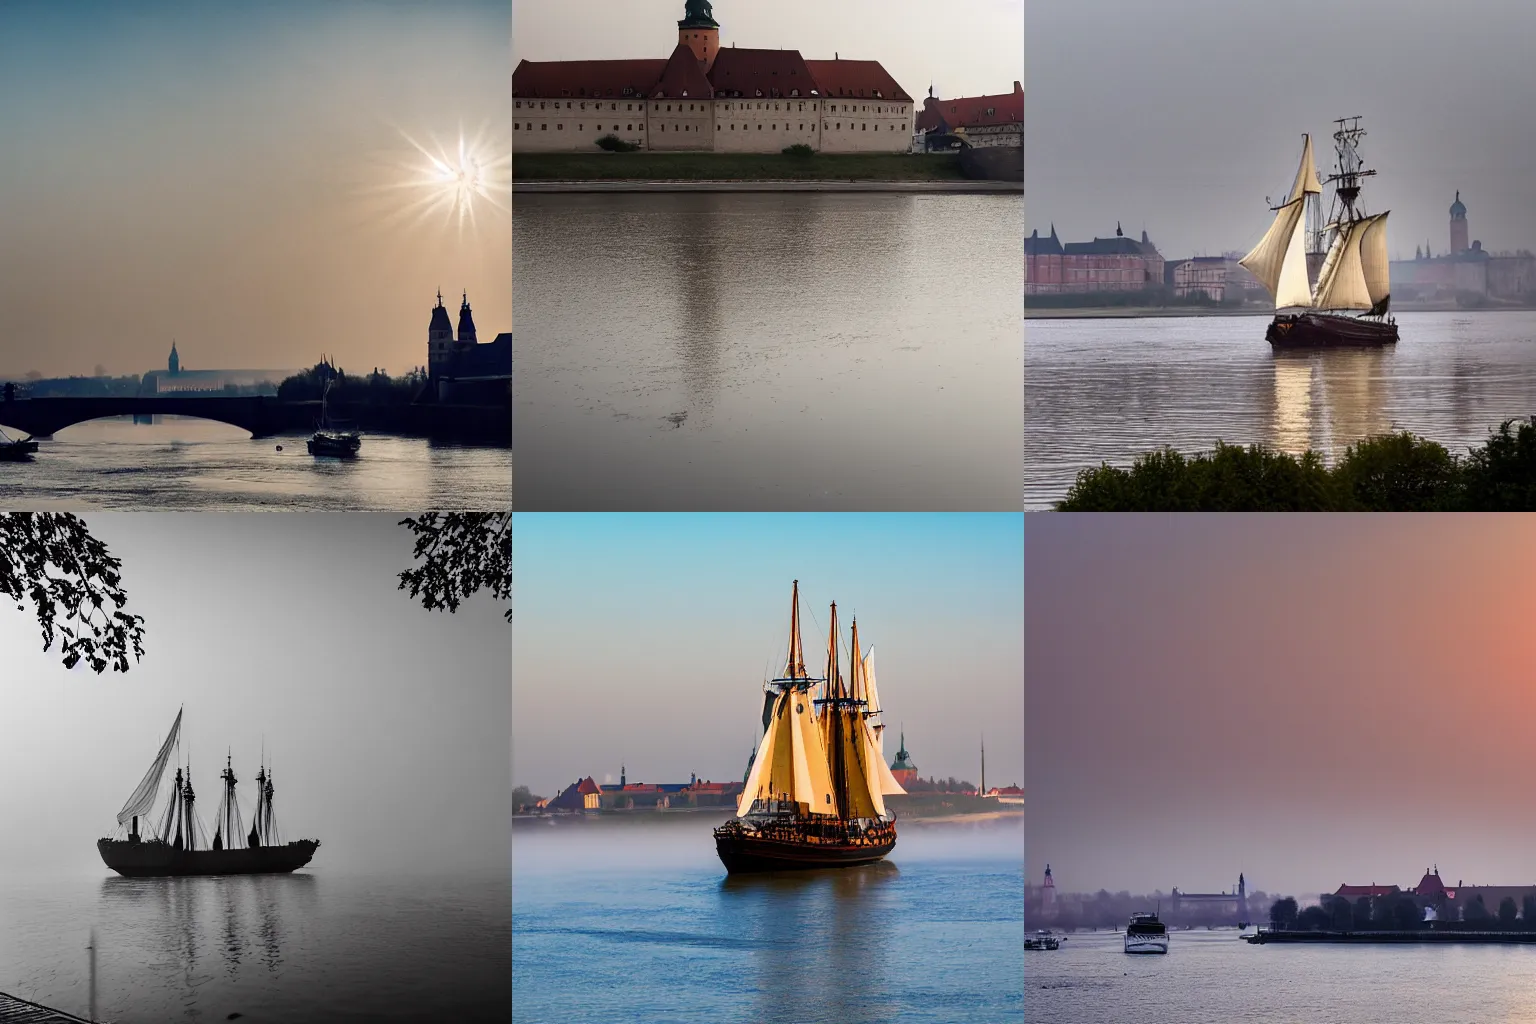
{"type": "Point", "coordinates": [1139, 312]}
{"type": "Point", "coordinates": [646, 171]}
{"type": "Point", "coordinates": [712, 815]}
{"type": "Point", "coordinates": [927, 187]}
{"type": "Point", "coordinates": [1421, 935]}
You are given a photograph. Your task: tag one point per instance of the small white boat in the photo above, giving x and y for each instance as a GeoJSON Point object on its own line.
{"type": "Point", "coordinates": [1146, 934]}
{"type": "Point", "coordinates": [1043, 939]}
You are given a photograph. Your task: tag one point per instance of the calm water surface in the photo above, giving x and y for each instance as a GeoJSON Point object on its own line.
{"type": "Point", "coordinates": [768, 352]}
{"type": "Point", "coordinates": [1108, 390]}
{"type": "Point", "coordinates": [311, 946]}
{"type": "Point", "coordinates": [181, 463]}
{"type": "Point", "coordinates": [632, 923]}
{"type": "Point", "coordinates": [1215, 978]}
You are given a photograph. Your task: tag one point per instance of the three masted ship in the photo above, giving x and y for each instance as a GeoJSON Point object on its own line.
{"type": "Point", "coordinates": [180, 844]}
{"type": "Point", "coordinates": [814, 796]}
{"type": "Point", "coordinates": [1346, 304]}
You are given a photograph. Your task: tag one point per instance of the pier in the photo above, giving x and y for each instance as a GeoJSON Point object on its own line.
{"type": "Point", "coordinates": [21, 1011]}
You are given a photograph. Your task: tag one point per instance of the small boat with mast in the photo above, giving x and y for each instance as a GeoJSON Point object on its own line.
{"type": "Point", "coordinates": [16, 450]}
{"type": "Point", "coordinates": [327, 440]}
{"type": "Point", "coordinates": [181, 846]}
{"type": "Point", "coordinates": [814, 796]}
{"type": "Point", "coordinates": [1347, 304]}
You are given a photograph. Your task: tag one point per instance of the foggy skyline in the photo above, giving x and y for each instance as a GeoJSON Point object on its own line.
{"type": "Point", "coordinates": [1180, 119]}
{"type": "Point", "coordinates": [386, 724]}
{"type": "Point", "coordinates": [234, 177]}
{"type": "Point", "coordinates": [642, 641]}
{"type": "Point", "coordinates": [975, 48]}
{"type": "Point", "coordinates": [1309, 700]}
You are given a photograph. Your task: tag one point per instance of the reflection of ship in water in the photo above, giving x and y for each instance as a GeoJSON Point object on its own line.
{"type": "Point", "coordinates": [1328, 400]}
{"type": "Point", "coordinates": [180, 846]}
{"type": "Point", "coordinates": [840, 975]}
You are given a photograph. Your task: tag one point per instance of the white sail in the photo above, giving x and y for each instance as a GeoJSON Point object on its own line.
{"type": "Point", "coordinates": [1306, 174]}
{"type": "Point", "coordinates": [1279, 261]}
{"type": "Point", "coordinates": [143, 797]}
{"type": "Point", "coordinates": [1373, 259]}
{"type": "Point", "coordinates": [1345, 287]}
{"type": "Point", "coordinates": [883, 782]}
{"type": "Point", "coordinates": [876, 725]}
{"type": "Point", "coordinates": [757, 784]}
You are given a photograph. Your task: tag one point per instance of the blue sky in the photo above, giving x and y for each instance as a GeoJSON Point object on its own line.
{"type": "Point", "coordinates": [643, 639]}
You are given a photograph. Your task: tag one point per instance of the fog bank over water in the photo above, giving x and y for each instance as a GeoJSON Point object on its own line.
{"type": "Point", "coordinates": [385, 724]}
{"type": "Point", "coordinates": [1179, 119]}
{"type": "Point", "coordinates": [1308, 700]}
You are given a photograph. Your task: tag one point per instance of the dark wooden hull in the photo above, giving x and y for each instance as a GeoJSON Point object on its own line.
{"type": "Point", "coordinates": [1329, 330]}
{"type": "Point", "coordinates": [341, 446]}
{"type": "Point", "coordinates": [151, 860]}
{"type": "Point", "coordinates": [744, 853]}
{"type": "Point", "coordinates": [17, 451]}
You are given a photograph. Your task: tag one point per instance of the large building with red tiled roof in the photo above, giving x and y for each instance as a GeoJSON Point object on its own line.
{"type": "Point", "coordinates": [712, 98]}
{"type": "Point", "coordinates": [979, 120]}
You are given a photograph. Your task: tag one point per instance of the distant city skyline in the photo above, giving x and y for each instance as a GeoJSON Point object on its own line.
{"type": "Point", "coordinates": [642, 640]}
{"type": "Point", "coordinates": [248, 180]}
{"type": "Point", "coordinates": [1167, 119]}
{"type": "Point", "coordinates": [976, 48]}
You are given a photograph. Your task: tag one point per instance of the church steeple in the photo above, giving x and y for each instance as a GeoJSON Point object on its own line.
{"type": "Point", "coordinates": [175, 361]}
{"type": "Point", "coordinates": [466, 323]}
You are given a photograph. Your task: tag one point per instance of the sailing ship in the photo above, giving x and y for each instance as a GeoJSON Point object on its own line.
{"type": "Point", "coordinates": [1146, 934]}
{"type": "Point", "coordinates": [180, 845]}
{"type": "Point", "coordinates": [1347, 305]}
{"type": "Point", "coordinates": [326, 440]}
{"type": "Point", "coordinates": [815, 794]}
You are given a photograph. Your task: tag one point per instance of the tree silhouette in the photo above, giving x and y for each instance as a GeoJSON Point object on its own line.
{"type": "Point", "coordinates": [460, 553]}
{"type": "Point", "coordinates": [74, 585]}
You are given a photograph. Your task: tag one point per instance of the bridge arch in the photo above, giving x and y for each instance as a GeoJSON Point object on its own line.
{"type": "Point", "coordinates": [262, 415]}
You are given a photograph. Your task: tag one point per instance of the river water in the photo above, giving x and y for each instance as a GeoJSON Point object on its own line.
{"type": "Point", "coordinates": [315, 945]}
{"type": "Point", "coordinates": [768, 352]}
{"type": "Point", "coordinates": [192, 464]}
{"type": "Point", "coordinates": [1215, 978]}
{"type": "Point", "coordinates": [1107, 390]}
{"type": "Point", "coordinates": [624, 922]}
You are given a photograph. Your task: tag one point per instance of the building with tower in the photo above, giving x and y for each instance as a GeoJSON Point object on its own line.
{"type": "Point", "coordinates": [174, 363]}
{"type": "Point", "coordinates": [1467, 269]}
{"type": "Point", "coordinates": [705, 97]}
{"type": "Point", "coordinates": [461, 369]}
{"type": "Point", "coordinates": [904, 771]}
{"type": "Point", "coordinates": [980, 121]}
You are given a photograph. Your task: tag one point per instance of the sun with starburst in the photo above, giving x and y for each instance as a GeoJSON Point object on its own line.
{"type": "Point", "coordinates": [456, 183]}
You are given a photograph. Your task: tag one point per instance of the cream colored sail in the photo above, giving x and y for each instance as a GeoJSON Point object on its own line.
{"type": "Point", "coordinates": [1306, 174]}
{"type": "Point", "coordinates": [1279, 261]}
{"type": "Point", "coordinates": [863, 778]}
{"type": "Point", "coordinates": [876, 725]}
{"type": "Point", "coordinates": [1344, 285]}
{"type": "Point", "coordinates": [883, 782]}
{"type": "Point", "coordinates": [1373, 259]}
{"type": "Point", "coordinates": [791, 764]}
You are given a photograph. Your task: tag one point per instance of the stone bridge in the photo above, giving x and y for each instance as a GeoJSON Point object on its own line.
{"type": "Point", "coordinates": [262, 415]}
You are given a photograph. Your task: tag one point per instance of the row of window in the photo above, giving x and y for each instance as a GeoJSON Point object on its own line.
{"type": "Point", "coordinates": [834, 108]}
{"type": "Point", "coordinates": [528, 126]}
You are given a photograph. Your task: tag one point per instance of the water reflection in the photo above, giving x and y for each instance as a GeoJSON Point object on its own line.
{"type": "Point", "coordinates": [820, 959]}
{"type": "Point", "coordinates": [1293, 405]}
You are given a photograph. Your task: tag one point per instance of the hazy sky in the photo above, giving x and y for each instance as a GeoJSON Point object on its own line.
{"type": "Point", "coordinates": [386, 724]}
{"type": "Point", "coordinates": [1180, 118]}
{"type": "Point", "coordinates": [969, 48]}
{"type": "Point", "coordinates": [643, 640]}
{"type": "Point", "coordinates": [1308, 699]}
{"type": "Point", "coordinates": [223, 174]}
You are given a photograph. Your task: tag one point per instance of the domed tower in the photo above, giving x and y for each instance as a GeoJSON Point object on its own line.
{"type": "Point", "coordinates": [1458, 225]}
{"type": "Point", "coordinates": [439, 339]}
{"type": "Point", "coordinates": [700, 32]}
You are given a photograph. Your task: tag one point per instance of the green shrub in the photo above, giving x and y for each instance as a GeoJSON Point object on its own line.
{"type": "Point", "coordinates": [1399, 473]}
{"type": "Point", "coordinates": [614, 144]}
{"type": "Point", "coordinates": [798, 149]}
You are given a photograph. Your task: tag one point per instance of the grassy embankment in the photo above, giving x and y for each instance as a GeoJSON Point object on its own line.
{"type": "Point", "coordinates": [734, 167]}
{"type": "Point", "coordinates": [1391, 473]}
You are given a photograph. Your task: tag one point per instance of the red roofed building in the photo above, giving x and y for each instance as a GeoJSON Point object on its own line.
{"type": "Point", "coordinates": [979, 120]}
{"type": "Point", "coordinates": [704, 97]}
{"type": "Point", "coordinates": [579, 796]}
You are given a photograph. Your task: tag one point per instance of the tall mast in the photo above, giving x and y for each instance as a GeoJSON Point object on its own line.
{"type": "Point", "coordinates": [1346, 180]}
{"type": "Point", "coordinates": [835, 722]}
{"type": "Point", "coordinates": [795, 668]}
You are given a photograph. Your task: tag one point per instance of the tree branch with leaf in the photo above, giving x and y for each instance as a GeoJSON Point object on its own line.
{"type": "Point", "coordinates": [459, 554]}
{"type": "Point", "coordinates": [74, 585]}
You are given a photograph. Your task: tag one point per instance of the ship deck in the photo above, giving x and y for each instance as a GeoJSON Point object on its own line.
{"type": "Point", "coordinates": [21, 1011]}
